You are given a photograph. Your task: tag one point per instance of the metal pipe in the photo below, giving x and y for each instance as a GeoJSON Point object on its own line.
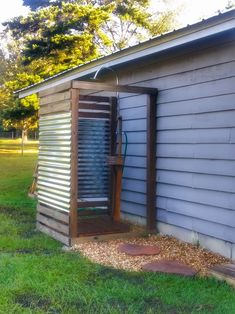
{"type": "Point", "coordinates": [103, 67]}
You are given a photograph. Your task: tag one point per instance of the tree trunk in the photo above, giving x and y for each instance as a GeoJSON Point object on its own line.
{"type": "Point", "coordinates": [24, 139]}
{"type": "Point", "coordinates": [25, 135]}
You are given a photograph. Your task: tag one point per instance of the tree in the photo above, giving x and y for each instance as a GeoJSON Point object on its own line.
{"type": "Point", "coordinates": [63, 34]}
{"type": "Point", "coordinates": [230, 4]}
{"type": "Point", "coordinates": [59, 36]}
{"type": "Point", "coordinates": [16, 113]}
{"type": "Point", "coordinates": [133, 21]}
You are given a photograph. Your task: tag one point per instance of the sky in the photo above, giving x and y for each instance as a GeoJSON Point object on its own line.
{"type": "Point", "coordinates": [193, 10]}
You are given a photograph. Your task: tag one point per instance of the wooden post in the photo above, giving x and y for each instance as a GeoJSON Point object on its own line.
{"type": "Point", "coordinates": [118, 172]}
{"type": "Point", "coordinates": [113, 103]}
{"type": "Point", "coordinates": [151, 163]}
{"type": "Point", "coordinates": [74, 164]}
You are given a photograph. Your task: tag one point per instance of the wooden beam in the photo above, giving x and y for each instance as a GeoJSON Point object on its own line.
{"type": "Point", "coordinates": [113, 88]}
{"type": "Point", "coordinates": [151, 163]}
{"type": "Point", "coordinates": [74, 164]}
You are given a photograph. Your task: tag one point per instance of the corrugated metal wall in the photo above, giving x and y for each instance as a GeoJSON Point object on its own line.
{"type": "Point", "coordinates": [196, 141]}
{"type": "Point", "coordinates": [54, 161]}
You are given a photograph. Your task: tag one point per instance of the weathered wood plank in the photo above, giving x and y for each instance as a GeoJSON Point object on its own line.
{"type": "Point", "coordinates": [94, 106]}
{"type": "Point", "coordinates": [55, 107]}
{"type": "Point", "coordinates": [53, 213]}
{"type": "Point", "coordinates": [54, 234]}
{"type": "Point", "coordinates": [56, 89]}
{"type": "Point", "coordinates": [226, 269]}
{"type": "Point", "coordinates": [85, 204]}
{"type": "Point", "coordinates": [51, 223]}
{"type": "Point", "coordinates": [97, 115]}
{"type": "Point", "coordinates": [94, 98]}
{"type": "Point", "coordinates": [57, 97]}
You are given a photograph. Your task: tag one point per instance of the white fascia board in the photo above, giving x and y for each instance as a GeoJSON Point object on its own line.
{"type": "Point", "coordinates": [150, 47]}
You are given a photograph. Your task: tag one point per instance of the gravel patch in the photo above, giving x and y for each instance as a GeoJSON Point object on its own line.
{"type": "Point", "coordinates": [107, 253]}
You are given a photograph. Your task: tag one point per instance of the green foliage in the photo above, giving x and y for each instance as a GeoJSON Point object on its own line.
{"type": "Point", "coordinates": [20, 117]}
{"type": "Point", "coordinates": [59, 36]}
{"type": "Point", "coordinates": [15, 76]}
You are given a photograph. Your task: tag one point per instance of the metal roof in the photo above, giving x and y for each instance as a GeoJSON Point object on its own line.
{"type": "Point", "coordinates": [211, 26]}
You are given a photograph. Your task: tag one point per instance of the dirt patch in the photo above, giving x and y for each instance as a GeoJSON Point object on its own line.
{"type": "Point", "coordinates": [33, 301]}
{"type": "Point", "coordinates": [107, 253]}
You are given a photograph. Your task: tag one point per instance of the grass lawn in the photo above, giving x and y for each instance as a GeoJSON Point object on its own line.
{"type": "Point", "coordinates": [37, 277]}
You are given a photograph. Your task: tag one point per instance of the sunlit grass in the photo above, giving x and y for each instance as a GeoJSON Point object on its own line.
{"type": "Point", "coordinates": [14, 146]}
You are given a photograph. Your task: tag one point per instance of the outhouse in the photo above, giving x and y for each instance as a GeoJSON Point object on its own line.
{"type": "Point", "coordinates": [78, 190]}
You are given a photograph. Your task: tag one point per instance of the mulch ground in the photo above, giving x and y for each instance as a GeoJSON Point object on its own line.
{"type": "Point", "coordinates": [108, 253]}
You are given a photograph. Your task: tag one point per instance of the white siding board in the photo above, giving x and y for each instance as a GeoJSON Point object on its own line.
{"type": "Point", "coordinates": [130, 114]}
{"type": "Point", "coordinates": [134, 125]}
{"type": "Point", "coordinates": [218, 231]}
{"type": "Point", "coordinates": [136, 137]}
{"type": "Point", "coordinates": [200, 196]}
{"type": "Point", "coordinates": [201, 151]}
{"type": "Point", "coordinates": [195, 210]}
{"type": "Point", "coordinates": [134, 185]}
{"type": "Point", "coordinates": [135, 161]}
{"type": "Point", "coordinates": [134, 197]}
{"type": "Point", "coordinates": [196, 180]}
{"type": "Point", "coordinates": [136, 149]}
{"type": "Point", "coordinates": [134, 173]}
{"type": "Point", "coordinates": [193, 136]}
{"type": "Point", "coordinates": [133, 208]}
{"type": "Point", "coordinates": [131, 101]}
{"type": "Point", "coordinates": [222, 119]}
{"type": "Point", "coordinates": [212, 88]}
{"type": "Point", "coordinates": [194, 77]}
{"type": "Point", "coordinates": [216, 167]}
{"type": "Point", "coordinates": [201, 105]}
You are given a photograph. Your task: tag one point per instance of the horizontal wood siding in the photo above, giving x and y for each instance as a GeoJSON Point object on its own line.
{"type": "Point", "coordinates": [195, 140]}
{"type": "Point", "coordinates": [133, 111]}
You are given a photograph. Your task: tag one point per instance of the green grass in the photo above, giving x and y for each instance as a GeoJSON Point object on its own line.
{"type": "Point", "coordinates": [37, 277]}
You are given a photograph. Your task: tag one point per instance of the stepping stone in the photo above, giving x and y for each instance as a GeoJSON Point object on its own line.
{"type": "Point", "coordinates": [224, 272]}
{"type": "Point", "coordinates": [170, 267]}
{"type": "Point", "coordinates": [137, 250]}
